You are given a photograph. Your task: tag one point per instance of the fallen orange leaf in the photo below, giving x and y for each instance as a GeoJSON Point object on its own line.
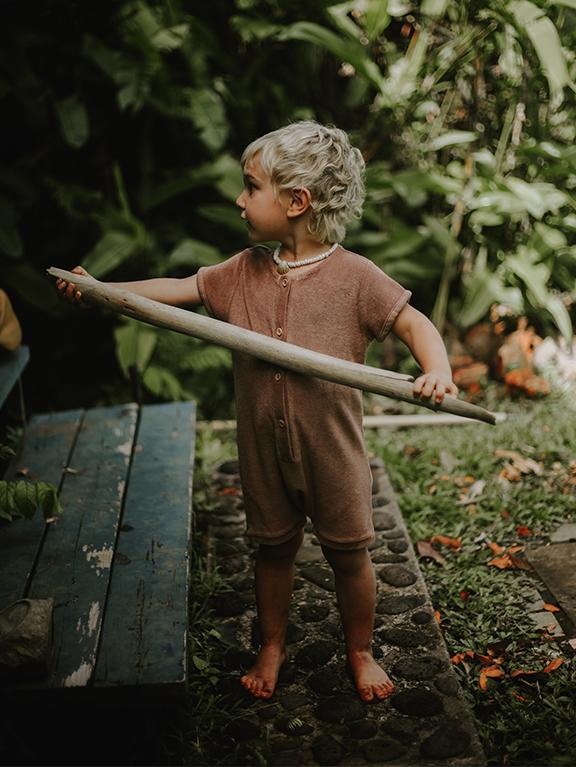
{"type": "Point", "coordinates": [445, 540]}
{"type": "Point", "coordinates": [495, 547]}
{"type": "Point", "coordinates": [556, 663]}
{"type": "Point", "coordinates": [459, 657]}
{"type": "Point", "coordinates": [494, 672]}
{"type": "Point", "coordinates": [464, 596]}
{"type": "Point", "coordinates": [518, 563]}
{"type": "Point", "coordinates": [514, 549]}
{"type": "Point", "coordinates": [488, 658]}
{"type": "Point", "coordinates": [521, 672]}
{"type": "Point", "coordinates": [425, 549]}
{"type": "Point", "coordinates": [551, 608]}
{"type": "Point", "coordinates": [501, 562]}
{"type": "Point", "coordinates": [483, 681]}
{"type": "Point", "coordinates": [523, 531]}
{"type": "Point", "coordinates": [438, 616]}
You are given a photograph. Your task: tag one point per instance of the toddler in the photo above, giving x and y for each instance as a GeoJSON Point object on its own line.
{"type": "Point", "coordinates": [300, 440]}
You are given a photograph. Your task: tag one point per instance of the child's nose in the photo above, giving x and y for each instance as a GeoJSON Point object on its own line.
{"type": "Point", "coordinates": [240, 200]}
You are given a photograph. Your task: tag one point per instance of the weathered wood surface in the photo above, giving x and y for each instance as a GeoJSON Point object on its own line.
{"type": "Point", "coordinates": [271, 350]}
{"type": "Point", "coordinates": [12, 365]}
{"type": "Point", "coordinates": [75, 563]}
{"type": "Point", "coordinates": [146, 618]}
{"type": "Point", "coordinates": [46, 448]}
{"type": "Point", "coordinates": [116, 562]}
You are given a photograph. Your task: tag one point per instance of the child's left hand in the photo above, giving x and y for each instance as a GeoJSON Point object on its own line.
{"type": "Point", "coordinates": [434, 385]}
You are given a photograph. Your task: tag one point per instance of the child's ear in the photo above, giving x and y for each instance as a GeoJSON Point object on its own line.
{"type": "Point", "coordinates": [300, 201]}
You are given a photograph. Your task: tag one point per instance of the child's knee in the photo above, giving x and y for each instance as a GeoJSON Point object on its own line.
{"type": "Point", "coordinates": [346, 561]}
{"type": "Point", "coordinates": [281, 551]}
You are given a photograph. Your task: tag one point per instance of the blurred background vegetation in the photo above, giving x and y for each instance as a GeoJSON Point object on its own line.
{"type": "Point", "coordinates": [123, 123]}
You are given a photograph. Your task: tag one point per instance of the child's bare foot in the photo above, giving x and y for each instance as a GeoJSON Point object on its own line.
{"type": "Point", "coordinates": [262, 677]}
{"type": "Point", "coordinates": [371, 680]}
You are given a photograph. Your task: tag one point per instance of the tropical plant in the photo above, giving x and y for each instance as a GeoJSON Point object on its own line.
{"type": "Point", "coordinates": [21, 498]}
{"type": "Point", "coordinates": [124, 123]}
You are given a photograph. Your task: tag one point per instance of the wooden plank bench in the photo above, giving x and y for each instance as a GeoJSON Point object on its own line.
{"type": "Point", "coordinates": [116, 562]}
{"type": "Point", "coordinates": [12, 365]}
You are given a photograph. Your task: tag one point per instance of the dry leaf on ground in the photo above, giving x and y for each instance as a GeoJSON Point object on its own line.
{"type": "Point", "coordinates": [556, 663]}
{"type": "Point", "coordinates": [425, 549]}
{"type": "Point", "coordinates": [446, 540]}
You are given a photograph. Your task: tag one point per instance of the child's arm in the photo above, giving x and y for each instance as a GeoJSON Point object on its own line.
{"type": "Point", "coordinates": [427, 346]}
{"type": "Point", "coordinates": [166, 290]}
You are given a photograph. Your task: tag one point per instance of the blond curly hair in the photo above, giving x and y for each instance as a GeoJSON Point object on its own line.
{"type": "Point", "coordinates": [321, 159]}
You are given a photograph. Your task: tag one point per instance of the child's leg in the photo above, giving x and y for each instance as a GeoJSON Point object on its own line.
{"type": "Point", "coordinates": [356, 592]}
{"type": "Point", "coordinates": [274, 580]}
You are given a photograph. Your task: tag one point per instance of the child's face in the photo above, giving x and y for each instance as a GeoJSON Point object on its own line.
{"type": "Point", "coordinates": [262, 209]}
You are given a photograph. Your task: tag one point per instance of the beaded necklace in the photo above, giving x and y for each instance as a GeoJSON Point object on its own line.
{"type": "Point", "coordinates": [283, 267]}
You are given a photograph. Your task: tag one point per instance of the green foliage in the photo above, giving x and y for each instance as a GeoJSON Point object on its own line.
{"type": "Point", "coordinates": [21, 498]}
{"type": "Point", "coordinates": [124, 126]}
{"type": "Point", "coordinates": [482, 607]}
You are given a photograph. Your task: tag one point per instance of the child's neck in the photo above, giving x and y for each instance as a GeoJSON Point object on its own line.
{"type": "Point", "coordinates": [293, 249]}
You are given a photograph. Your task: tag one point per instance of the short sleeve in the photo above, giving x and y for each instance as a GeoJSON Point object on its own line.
{"type": "Point", "coordinates": [217, 284]}
{"type": "Point", "coordinates": [381, 301]}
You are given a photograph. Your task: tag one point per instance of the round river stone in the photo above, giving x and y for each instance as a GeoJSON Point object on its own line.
{"type": "Point", "coordinates": [293, 700]}
{"type": "Point", "coordinates": [389, 534]}
{"type": "Point", "coordinates": [229, 467]}
{"type": "Point", "coordinates": [268, 711]}
{"type": "Point", "coordinates": [447, 685]}
{"type": "Point", "coordinates": [325, 682]}
{"type": "Point", "coordinates": [398, 575]}
{"type": "Point", "coordinates": [405, 730]}
{"type": "Point", "coordinates": [340, 708]}
{"type": "Point", "coordinates": [314, 612]}
{"type": "Point", "coordinates": [377, 543]}
{"type": "Point", "coordinates": [315, 654]}
{"type": "Point", "coordinates": [364, 728]}
{"type": "Point", "coordinates": [445, 742]}
{"type": "Point", "coordinates": [403, 637]}
{"type": "Point", "coordinates": [417, 702]}
{"type": "Point", "coordinates": [399, 604]}
{"type": "Point", "coordinates": [378, 501]}
{"type": "Point", "coordinates": [421, 617]}
{"type": "Point", "coordinates": [422, 667]}
{"type": "Point", "coordinates": [327, 750]}
{"type": "Point", "coordinates": [383, 521]}
{"type": "Point", "coordinates": [398, 546]}
{"type": "Point", "coordinates": [389, 559]}
{"type": "Point", "coordinates": [286, 759]}
{"type": "Point", "coordinates": [382, 750]}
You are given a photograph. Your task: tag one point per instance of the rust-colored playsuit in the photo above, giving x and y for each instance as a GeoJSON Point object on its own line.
{"type": "Point", "coordinates": [300, 439]}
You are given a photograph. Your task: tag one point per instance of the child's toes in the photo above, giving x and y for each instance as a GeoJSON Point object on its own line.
{"type": "Point", "coordinates": [366, 693]}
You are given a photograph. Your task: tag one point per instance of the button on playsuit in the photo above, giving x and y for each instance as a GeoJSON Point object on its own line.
{"type": "Point", "coordinates": [300, 441]}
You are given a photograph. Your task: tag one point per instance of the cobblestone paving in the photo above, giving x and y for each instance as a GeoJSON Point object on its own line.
{"type": "Point", "coordinates": [316, 717]}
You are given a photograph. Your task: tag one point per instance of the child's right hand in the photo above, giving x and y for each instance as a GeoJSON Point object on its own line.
{"type": "Point", "coordinates": [68, 289]}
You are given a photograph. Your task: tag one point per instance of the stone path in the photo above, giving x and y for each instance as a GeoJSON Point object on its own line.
{"type": "Point", "coordinates": [315, 716]}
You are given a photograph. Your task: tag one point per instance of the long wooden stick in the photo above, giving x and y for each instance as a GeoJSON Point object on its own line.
{"type": "Point", "coordinates": [270, 350]}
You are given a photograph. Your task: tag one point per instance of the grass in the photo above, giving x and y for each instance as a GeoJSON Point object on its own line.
{"type": "Point", "coordinates": [217, 715]}
{"type": "Point", "coordinates": [522, 719]}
